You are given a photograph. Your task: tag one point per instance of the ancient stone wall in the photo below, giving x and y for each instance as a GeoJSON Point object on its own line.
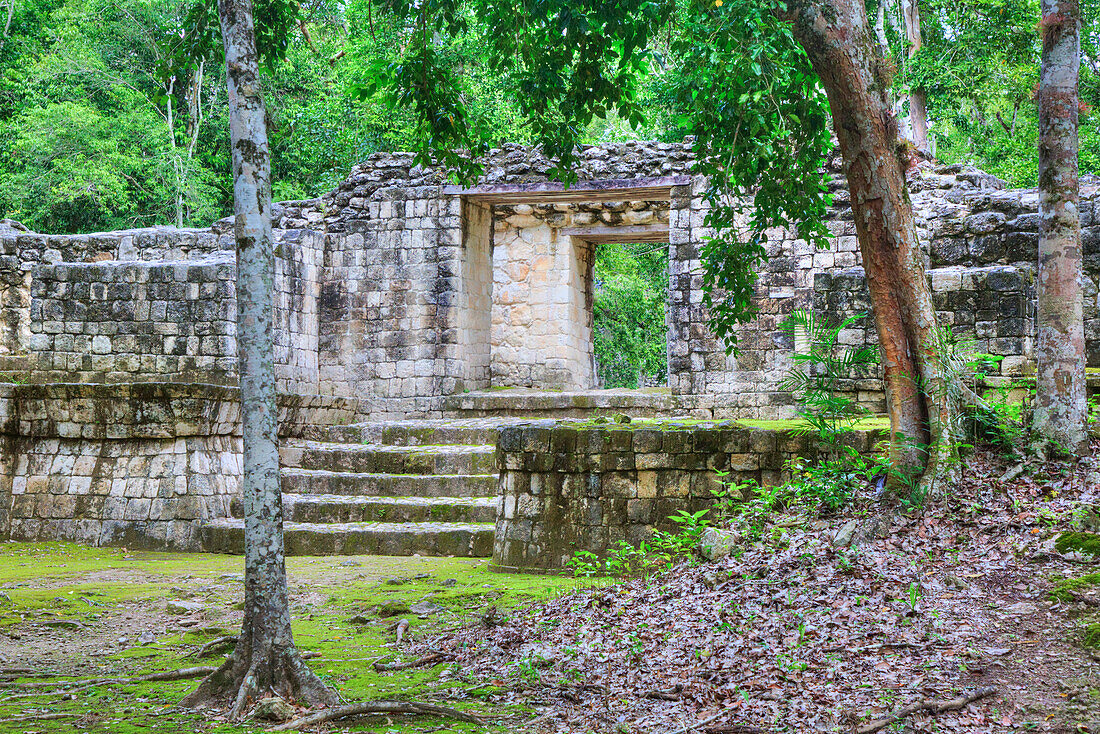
{"type": "Point", "coordinates": [405, 288]}
{"type": "Point", "coordinates": [149, 305]}
{"type": "Point", "coordinates": [567, 488]}
{"type": "Point", "coordinates": [141, 465]}
{"type": "Point", "coordinates": [982, 244]}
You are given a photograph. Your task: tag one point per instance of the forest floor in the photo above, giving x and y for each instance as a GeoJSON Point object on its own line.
{"type": "Point", "coordinates": [794, 632]}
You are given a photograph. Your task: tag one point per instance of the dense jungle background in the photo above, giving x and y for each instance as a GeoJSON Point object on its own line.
{"type": "Point", "coordinates": [102, 127]}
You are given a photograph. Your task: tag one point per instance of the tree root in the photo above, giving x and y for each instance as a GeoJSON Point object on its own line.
{"type": "Point", "coordinates": [215, 645]}
{"type": "Point", "coordinates": [379, 707]}
{"type": "Point", "coordinates": [247, 676]}
{"type": "Point", "coordinates": [39, 717]}
{"type": "Point", "coordinates": [429, 659]}
{"type": "Point", "coordinates": [72, 686]}
{"type": "Point", "coordinates": [929, 707]}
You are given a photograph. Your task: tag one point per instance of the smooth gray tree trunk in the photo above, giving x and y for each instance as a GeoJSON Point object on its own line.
{"type": "Point", "coordinates": [265, 661]}
{"type": "Point", "coordinates": [918, 107]}
{"type": "Point", "coordinates": [1060, 403]}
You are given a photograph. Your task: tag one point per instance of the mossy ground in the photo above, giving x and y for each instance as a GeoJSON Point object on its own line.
{"type": "Point", "coordinates": [870, 423]}
{"type": "Point", "coordinates": [340, 611]}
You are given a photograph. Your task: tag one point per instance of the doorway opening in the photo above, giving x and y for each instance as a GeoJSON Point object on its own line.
{"type": "Point", "coordinates": [630, 314]}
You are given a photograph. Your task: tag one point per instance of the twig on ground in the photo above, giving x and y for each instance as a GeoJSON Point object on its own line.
{"type": "Point", "coordinates": [429, 659]}
{"type": "Point", "coordinates": [379, 707]}
{"type": "Point", "coordinates": [662, 695]}
{"type": "Point", "coordinates": [698, 724]}
{"type": "Point", "coordinates": [929, 707]}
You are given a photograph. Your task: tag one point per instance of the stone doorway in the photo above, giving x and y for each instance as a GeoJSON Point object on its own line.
{"type": "Point", "coordinates": [544, 290]}
{"type": "Point", "coordinates": [629, 306]}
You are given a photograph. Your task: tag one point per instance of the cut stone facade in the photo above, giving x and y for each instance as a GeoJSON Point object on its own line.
{"type": "Point", "coordinates": [141, 465]}
{"type": "Point", "coordinates": [400, 289]}
{"type": "Point", "coordinates": [399, 292]}
{"type": "Point", "coordinates": [566, 488]}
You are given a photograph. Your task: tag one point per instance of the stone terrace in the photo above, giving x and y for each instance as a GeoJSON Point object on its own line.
{"type": "Point", "coordinates": [415, 320]}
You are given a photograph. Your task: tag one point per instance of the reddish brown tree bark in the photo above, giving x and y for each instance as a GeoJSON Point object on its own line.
{"type": "Point", "coordinates": [1060, 403]}
{"type": "Point", "coordinates": [842, 49]}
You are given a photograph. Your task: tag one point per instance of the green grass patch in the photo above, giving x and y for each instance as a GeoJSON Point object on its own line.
{"type": "Point", "coordinates": [338, 610]}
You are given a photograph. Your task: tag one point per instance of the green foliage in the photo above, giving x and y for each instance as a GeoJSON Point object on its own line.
{"type": "Point", "coordinates": [629, 310]}
{"type": "Point", "coordinates": [728, 73]}
{"type": "Point", "coordinates": [978, 66]}
{"type": "Point", "coordinates": [658, 553]}
{"type": "Point", "coordinates": [815, 378]}
{"type": "Point", "coordinates": [832, 482]}
{"type": "Point", "coordinates": [741, 84]}
{"type": "Point", "coordinates": [86, 87]}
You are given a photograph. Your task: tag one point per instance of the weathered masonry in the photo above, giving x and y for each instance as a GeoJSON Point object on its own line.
{"type": "Point", "coordinates": [402, 298]}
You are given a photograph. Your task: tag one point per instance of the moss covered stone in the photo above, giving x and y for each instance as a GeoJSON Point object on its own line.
{"type": "Point", "coordinates": [1088, 543]}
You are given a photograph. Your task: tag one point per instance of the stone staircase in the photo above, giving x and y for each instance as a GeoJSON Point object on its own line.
{"type": "Point", "coordinates": [396, 488]}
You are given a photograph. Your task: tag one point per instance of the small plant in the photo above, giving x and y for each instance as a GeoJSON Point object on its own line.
{"type": "Point", "coordinates": [914, 595]}
{"type": "Point", "coordinates": [815, 381]}
{"type": "Point", "coordinates": [624, 559]}
{"type": "Point", "coordinates": [692, 524]}
{"type": "Point", "coordinates": [585, 564]}
{"type": "Point", "coordinates": [658, 553]}
{"type": "Point", "coordinates": [728, 496]}
{"type": "Point", "coordinates": [815, 378]}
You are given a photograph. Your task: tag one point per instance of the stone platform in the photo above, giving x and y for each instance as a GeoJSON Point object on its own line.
{"type": "Point", "coordinates": [568, 487]}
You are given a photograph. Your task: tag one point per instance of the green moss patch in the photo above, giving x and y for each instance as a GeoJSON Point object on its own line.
{"type": "Point", "coordinates": [871, 423]}
{"type": "Point", "coordinates": [335, 607]}
{"type": "Point", "coordinates": [1063, 590]}
{"type": "Point", "coordinates": [1088, 543]}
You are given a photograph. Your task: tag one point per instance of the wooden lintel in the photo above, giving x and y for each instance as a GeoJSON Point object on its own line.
{"type": "Point", "coordinates": [624, 233]}
{"type": "Point", "coordinates": [618, 189]}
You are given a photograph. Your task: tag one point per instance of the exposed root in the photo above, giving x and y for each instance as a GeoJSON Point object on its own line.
{"type": "Point", "coordinates": [429, 659]}
{"type": "Point", "coordinates": [379, 707]}
{"type": "Point", "coordinates": [929, 707]}
{"type": "Point", "coordinates": [216, 645]}
{"type": "Point", "coordinates": [72, 686]}
{"type": "Point", "coordinates": [241, 682]}
{"type": "Point", "coordinates": [39, 717]}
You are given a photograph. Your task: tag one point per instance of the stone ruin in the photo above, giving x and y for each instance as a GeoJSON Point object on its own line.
{"type": "Point", "coordinates": [414, 312]}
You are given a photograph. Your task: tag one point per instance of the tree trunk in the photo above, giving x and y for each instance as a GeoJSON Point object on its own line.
{"type": "Point", "coordinates": [844, 54]}
{"type": "Point", "coordinates": [918, 120]}
{"type": "Point", "coordinates": [265, 660]}
{"type": "Point", "coordinates": [1060, 405]}
{"type": "Point", "coordinates": [918, 107]}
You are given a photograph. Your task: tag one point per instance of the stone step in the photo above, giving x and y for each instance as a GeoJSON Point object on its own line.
{"type": "Point", "coordinates": [473, 540]}
{"type": "Point", "coordinates": [410, 433]}
{"type": "Point", "coordinates": [329, 508]}
{"type": "Point", "coordinates": [319, 481]}
{"type": "Point", "coordinates": [434, 459]}
{"type": "Point", "coordinates": [581, 404]}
